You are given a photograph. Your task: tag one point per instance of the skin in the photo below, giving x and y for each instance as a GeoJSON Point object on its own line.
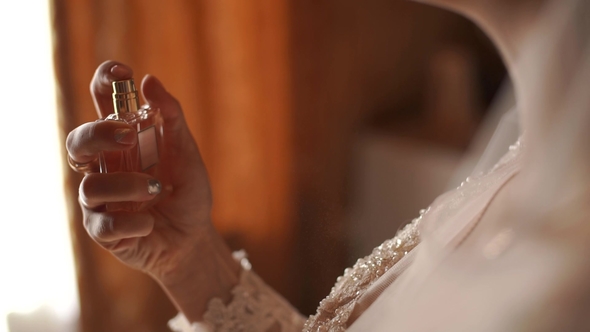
{"type": "Point", "coordinates": [554, 177]}
{"type": "Point", "coordinates": [506, 22]}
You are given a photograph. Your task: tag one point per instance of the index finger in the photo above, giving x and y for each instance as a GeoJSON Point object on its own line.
{"type": "Point", "coordinates": [101, 85]}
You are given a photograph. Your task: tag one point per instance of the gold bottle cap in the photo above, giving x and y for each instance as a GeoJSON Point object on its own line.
{"type": "Point", "coordinates": [125, 96]}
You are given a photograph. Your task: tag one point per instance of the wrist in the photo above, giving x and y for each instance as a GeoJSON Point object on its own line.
{"type": "Point", "coordinates": [193, 253]}
{"type": "Point", "coordinates": [207, 270]}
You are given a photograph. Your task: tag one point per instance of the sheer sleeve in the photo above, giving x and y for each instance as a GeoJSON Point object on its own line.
{"type": "Point", "coordinates": [254, 307]}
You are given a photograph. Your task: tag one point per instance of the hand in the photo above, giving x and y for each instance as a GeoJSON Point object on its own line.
{"type": "Point", "coordinates": [173, 240]}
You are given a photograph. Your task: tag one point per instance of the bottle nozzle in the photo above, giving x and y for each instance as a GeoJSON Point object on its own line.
{"type": "Point", "coordinates": [125, 98]}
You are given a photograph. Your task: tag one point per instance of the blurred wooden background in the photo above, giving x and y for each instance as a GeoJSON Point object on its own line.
{"type": "Point", "coordinates": [275, 92]}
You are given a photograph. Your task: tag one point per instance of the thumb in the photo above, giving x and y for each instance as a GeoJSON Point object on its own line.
{"type": "Point", "coordinates": [156, 96]}
{"type": "Point", "coordinates": [175, 127]}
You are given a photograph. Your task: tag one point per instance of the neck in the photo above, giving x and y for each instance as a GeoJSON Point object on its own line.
{"type": "Point", "coordinates": [508, 23]}
{"type": "Point", "coordinates": [545, 51]}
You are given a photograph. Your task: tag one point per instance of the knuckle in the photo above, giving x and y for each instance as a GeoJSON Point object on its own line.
{"type": "Point", "coordinates": [87, 189]}
{"type": "Point", "coordinates": [100, 73]}
{"type": "Point", "coordinates": [87, 218]}
{"type": "Point", "coordinates": [70, 141]}
{"type": "Point", "coordinates": [83, 188]}
{"type": "Point", "coordinates": [101, 227]}
{"type": "Point", "coordinates": [89, 131]}
{"type": "Point", "coordinates": [104, 229]}
{"type": "Point", "coordinates": [79, 138]}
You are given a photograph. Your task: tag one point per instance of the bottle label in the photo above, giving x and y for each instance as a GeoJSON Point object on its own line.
{"type": "Point", "coordinates": [148, 147]}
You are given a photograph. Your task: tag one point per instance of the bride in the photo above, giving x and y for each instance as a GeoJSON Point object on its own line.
{"type": "Point", "coordinates": [506, 251]}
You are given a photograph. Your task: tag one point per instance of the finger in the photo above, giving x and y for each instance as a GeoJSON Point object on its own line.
{"type": "Point", "coordinates": [108, 227]}
{"type": "Point", "coordinates": [156, 95]}
{"type": "Point", "coordinates": [97, 189]}
{"type": "Point", "coordinates": [175, 128]}
{"type": "Point", "coordinates": [101, 85]}
{"type": "Point", "coordinates": [86, 141]}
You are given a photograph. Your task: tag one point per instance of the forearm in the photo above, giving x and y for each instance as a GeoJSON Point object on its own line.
{"type": "Point", "coordinates": [208, 271]}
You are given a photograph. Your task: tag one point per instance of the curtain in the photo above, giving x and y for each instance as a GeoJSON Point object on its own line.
{"type": "Point", "coordinates": [226, 62]}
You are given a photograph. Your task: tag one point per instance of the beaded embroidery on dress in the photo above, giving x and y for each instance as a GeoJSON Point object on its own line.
{"type": "Point", "coordinates": [334, 311]}
{"type": "Point", "coordinates": [256, 307]}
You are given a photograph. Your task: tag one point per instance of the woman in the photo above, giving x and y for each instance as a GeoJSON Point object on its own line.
{"type": "Point", "coordinates": [504, 252]}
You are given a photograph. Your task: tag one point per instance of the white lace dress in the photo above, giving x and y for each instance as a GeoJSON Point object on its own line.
{"type": "Point", "coordinates": [257, 307]}
{"type": "Point", "coordinates": [254, 307]}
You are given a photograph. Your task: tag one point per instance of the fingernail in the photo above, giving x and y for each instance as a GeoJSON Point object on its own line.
{"type": "Point", "coordinates": [154, 187]}
{"type": "Point", "coordinates": [125, 136]}
{"type": "Point", "coordinates": [121, 71]}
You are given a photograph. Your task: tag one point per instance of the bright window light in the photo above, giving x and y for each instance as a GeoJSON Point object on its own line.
{"type": "Point", "coordinates": [37, 280]}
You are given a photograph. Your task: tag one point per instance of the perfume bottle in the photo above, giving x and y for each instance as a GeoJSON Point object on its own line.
{"type": "Point", "coordinates": [146, 155]}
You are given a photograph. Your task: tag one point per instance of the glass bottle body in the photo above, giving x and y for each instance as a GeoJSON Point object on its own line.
{"type": "Point", "coordinates": [143, 157]}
